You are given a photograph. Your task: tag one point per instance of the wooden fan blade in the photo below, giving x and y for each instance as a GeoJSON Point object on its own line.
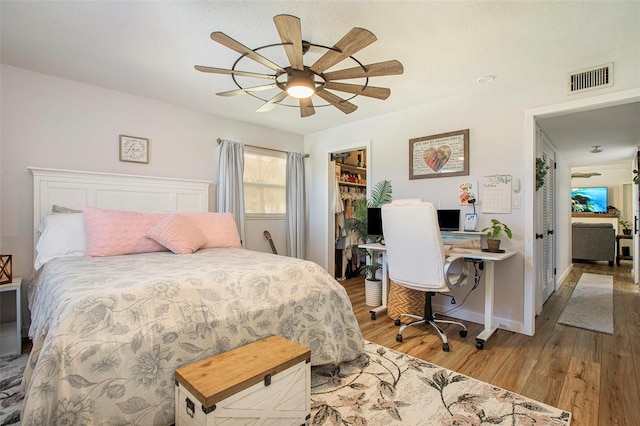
{"type": "Point", "coordinates": [291, 34]}
{"type": "Point", "coordinates": [247, 89]}
{"type": "Point", "coordinates": [227, 41]}
{"type": "Point", "coordinates": [354, 41]}
{"type": "Point", "coordinates": [370, 91]}
{"type": "Point", "coordinates": [233, 72]}
{"type": "Point", "coordinates": [337, 101]}
{"type": "Point", "coordinates": [380, 69]}
{"type": "Point", "coordinates": [271, 104]}
{"type": "Point", "coordinates": [306, 107]}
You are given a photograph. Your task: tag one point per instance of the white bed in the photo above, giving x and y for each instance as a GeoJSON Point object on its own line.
{"type": "Point", "coordinates": [108, 332]}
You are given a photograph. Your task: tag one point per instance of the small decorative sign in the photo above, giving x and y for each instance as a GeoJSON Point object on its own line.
{"type": "Point", "coordinates": [133, 149]}
{"type": "Point", "coordinates": [5, 268]}
{"type": "Point", "coordinates": [468, 191]}
{"type": "Point", "coordinates": [470, 221]}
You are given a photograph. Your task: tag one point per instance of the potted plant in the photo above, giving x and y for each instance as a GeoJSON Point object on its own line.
{"type": "Point", "coordinates": [493, 234]}
{"type": "Point", "coordinates": [626, 226]}
{"type": "Point", "coordinates": [541, 172]}
{"type": "Point", "coordinates": [380, 194]}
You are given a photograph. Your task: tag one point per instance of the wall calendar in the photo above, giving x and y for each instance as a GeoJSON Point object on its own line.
{"type": "Point", "coordinates": [496, 194]}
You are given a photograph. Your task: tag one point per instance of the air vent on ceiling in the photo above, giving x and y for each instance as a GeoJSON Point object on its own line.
{"type": "Point", "coordinates": [591, 78]}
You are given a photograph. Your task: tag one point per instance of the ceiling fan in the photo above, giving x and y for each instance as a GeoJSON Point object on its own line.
{"type": "Point", "coordinates": [301, 81]}
{"type": "Point", "coordinates": [584, 174]}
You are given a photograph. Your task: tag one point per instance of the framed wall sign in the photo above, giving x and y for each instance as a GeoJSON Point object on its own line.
{"type": "Point", "coordinates": [470, 221]}
{"type": "Point", "coordinates": [133, 149]}
{"type": "Point", "coordinates": [468, 193]}
{"type": "Point", "coordinates": [443, 155]}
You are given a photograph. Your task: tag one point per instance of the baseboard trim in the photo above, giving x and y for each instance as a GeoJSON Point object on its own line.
{"type": "Point", "coordinates": [478, 318]}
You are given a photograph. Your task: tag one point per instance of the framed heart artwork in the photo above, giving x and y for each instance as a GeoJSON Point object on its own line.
{"type": "Point", "coordinates": [443, 155]}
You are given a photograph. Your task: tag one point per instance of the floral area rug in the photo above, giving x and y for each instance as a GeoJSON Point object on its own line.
{"type": "Point", "coordinates": [381, 387]}
{"type": "Point", "coordinates": [385, 387]}
{"type": "Point", "coordinates": [11, 369]}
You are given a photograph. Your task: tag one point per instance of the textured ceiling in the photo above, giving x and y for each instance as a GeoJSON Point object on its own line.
{"type": "Point", "coordinates": [149, 48]}
{"type": "Point", "coordinates": [616, 129]}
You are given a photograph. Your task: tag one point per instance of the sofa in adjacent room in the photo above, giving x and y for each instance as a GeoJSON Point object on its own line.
{"type": "Point", "coordinates": [593, 241]}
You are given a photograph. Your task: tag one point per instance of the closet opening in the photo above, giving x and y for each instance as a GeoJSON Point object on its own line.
{"type": "Point", "coordinates": [350, 187]}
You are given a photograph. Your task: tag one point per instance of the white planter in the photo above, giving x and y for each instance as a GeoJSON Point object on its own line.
{"type": "Point", "coordinates": [373, 292]}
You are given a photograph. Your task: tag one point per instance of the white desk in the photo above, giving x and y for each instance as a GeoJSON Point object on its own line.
{"type": "Point", "coordinates": [489, 260]}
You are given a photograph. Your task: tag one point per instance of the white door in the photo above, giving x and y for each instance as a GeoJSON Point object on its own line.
{"type": "Point", "coordinates": [545, 233]}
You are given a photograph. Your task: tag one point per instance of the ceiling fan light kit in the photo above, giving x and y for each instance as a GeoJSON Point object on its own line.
{"type": "Point", "coordinates": [302, 82]}
{"type": "Point", "coordinates": [300, 89]}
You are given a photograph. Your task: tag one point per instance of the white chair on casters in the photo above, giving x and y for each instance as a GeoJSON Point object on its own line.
{"type": "Point", "coordinates": [417, 260]}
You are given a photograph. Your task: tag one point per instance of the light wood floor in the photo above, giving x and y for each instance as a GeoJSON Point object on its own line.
{"type": "Point", "coordinates": [596, 376]}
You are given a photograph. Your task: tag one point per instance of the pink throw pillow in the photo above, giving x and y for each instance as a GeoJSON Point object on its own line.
{"type": "Point", "coordinates": [177, 234]}
{"type": "Point", "coordinates": [219, 229]}
{"type": "Point", "coordinates": [116, 232]}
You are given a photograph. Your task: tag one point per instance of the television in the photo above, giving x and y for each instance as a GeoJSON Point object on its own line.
{"type": "Point", "coordinates": [449, 219]}
{"type": "Point", "coordinates": [589, 200]}
{"type": "Point", "coordinates": [374, 221]}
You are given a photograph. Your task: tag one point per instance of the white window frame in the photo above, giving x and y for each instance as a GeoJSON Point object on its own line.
{"type": "Point", "coordinates": [266, 153]}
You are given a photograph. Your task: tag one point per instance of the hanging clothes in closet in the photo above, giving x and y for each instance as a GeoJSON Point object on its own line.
{"type": "Point", "coordinates": [347, 265]}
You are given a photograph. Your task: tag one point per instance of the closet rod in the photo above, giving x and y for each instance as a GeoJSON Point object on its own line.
{"type": "Point", "coordinates": [261, 147]}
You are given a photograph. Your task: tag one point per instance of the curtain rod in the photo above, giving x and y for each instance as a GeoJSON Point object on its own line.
{"type": "Point", "coordinates": [261, 147]}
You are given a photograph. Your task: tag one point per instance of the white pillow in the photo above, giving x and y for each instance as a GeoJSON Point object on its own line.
{"type": "Point", "coordinates": [60, 235]}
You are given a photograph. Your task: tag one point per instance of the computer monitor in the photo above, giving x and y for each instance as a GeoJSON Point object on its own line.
{"type": "Point", "coordinates": [374, 221]}
{"type": "Point", "coordinates": [449, 219]}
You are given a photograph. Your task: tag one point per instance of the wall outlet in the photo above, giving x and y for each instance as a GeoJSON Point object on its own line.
{"type": "Point", "coordinates": [516, 202]}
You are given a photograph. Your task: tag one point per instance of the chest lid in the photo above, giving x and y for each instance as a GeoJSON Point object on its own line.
{"type": "Point", "coordinates": [215, 378]}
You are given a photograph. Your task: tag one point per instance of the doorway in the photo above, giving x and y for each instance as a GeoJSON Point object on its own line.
{"type": "Point", "coordinates": [351, 180]}
{"type": "Point", "coordinates": [562, 241]}
{"type": "Point", "coordinates": [349, 173]}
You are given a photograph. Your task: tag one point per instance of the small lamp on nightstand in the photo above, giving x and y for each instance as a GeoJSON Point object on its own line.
{"type": "Point", "coordinates": [5, 268]}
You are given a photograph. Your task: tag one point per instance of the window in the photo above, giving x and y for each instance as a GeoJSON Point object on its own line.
{"type": "Point", "coordinates": [265, 182]}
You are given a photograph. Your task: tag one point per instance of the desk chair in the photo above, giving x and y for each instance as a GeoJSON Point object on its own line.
{"type": "Point", "coordinates": [417, 260]}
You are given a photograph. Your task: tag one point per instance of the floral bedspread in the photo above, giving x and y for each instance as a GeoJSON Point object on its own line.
{"type": "Point", "coordinates": [108, 333]}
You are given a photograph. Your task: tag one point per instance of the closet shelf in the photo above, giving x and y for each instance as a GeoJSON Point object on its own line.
{"type": "Point", "coordinates": [362, 185]}
{"type": "Point", "coordinates": [351, 168]}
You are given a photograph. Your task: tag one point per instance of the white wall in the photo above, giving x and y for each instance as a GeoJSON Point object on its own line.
{"type": "Point", "coordinates": [496, 119]}
{"type": "Point", "coordinates": [51, 122]}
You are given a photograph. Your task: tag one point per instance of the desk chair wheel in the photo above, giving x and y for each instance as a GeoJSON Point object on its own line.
{"type": "Point", "coordinates": [373, 315]}
{"type": "Point", "coordinates": [463, 333]}
{"type": "Point", "coordinates": [398, 322]}
{"type": "Point", "coordinates": [445, 347]}
{"type": "Point", "coordinates": [398, 337]}
{"type": "Point", "coordinates": [479, 344]}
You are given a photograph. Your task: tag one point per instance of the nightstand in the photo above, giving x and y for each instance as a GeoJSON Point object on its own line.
{"type": "Point", "coordinates": [11, 331]}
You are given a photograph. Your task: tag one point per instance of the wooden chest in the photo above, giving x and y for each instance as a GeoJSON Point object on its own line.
{"type": "Point", "coordinates": [264, 382]}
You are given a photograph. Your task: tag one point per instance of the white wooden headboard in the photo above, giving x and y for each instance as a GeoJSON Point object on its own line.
{"type": "Point", "coordinates": [78, 189]}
